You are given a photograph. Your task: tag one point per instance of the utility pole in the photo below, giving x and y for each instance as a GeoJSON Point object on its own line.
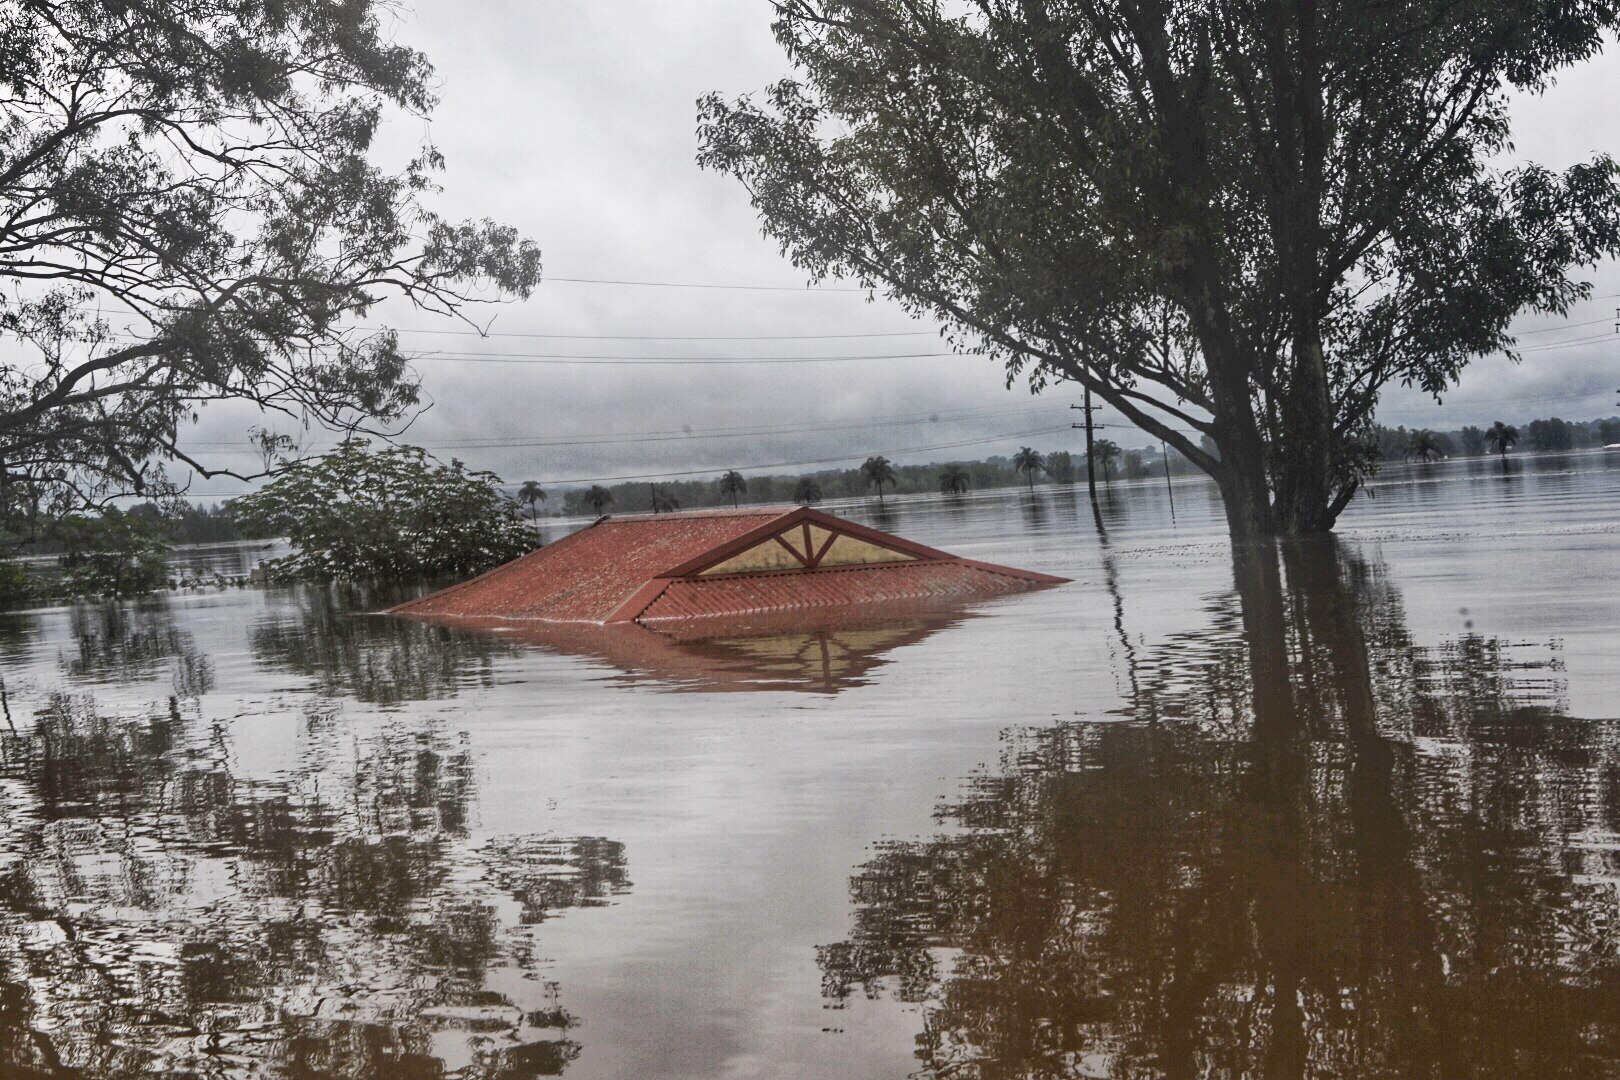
{"type": "Point", "coordinates": [654, 489]}
{"type": "Point", "coordinates": [1091, 466]}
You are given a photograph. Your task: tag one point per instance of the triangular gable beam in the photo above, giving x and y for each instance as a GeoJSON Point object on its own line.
{"type": "Point", "coordinates": [803, 515]}
{"type": "Point", "coordinates": [643, 597]}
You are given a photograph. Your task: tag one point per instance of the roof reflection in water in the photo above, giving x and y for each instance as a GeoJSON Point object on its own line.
{"type": "Point", "coordinates": [821, 653]}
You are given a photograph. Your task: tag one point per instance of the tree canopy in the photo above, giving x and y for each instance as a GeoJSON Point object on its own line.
{"type": "Point", "coordinates": [1234, 222]}
{"type": "Point", "coordinates": [191, 214]}
{"type": "Point", "coordinates": [364, 513]}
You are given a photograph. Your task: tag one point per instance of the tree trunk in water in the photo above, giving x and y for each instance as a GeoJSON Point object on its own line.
{"type": "Point", "coordinates": [1246, 498]}
{"type": "Point", "coordinates": [1242, 478]}
{"type": "Point", "coordinates": [1305, 470]}
{"type": "Point", "coordinates": [1242, 474]}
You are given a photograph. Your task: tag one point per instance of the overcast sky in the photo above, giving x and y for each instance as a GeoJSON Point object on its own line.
{"type": "Point", "coordinates": [575, 122]}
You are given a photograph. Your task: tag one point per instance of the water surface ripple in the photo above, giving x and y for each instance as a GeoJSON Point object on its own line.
{"type": "Point", "coordinates": [1340, 809]}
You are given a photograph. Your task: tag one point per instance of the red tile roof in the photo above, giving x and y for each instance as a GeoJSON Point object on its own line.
{"type": "Point", "coordinates": [648, 569]}
{"type": "Point", "coordinates": [587, 575]}
{"type": "Point", "coordinates": [837, 586]}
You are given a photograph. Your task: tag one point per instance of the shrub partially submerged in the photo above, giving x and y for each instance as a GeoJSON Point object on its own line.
{"type": "Point", "coordinates": [114, 553]}
{"type": "Point", "coordinates": [363, 513]}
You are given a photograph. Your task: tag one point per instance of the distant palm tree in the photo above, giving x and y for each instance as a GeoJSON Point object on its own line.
{"type": "Point", "coordinates": [1029, 462]}
{"type": "Point", "coordinates": [1502, 438]}
{"type": "Point", "coordinates": [597, 498]}
{"type": "Point", "coordinates": [806, 492]}
{"type": "Point", "coordinates": [733, 484]}
{"type": "Point", "coordinates": [953, 480]}
{"type": "Point", "coordinates": [1106, 450]}
{"type": "Point", "coordinates": [1424, 446]}
{"type": "Point", "coordinates": [878, 471]}
{"type": "Point", "coordinates": [533, 494]}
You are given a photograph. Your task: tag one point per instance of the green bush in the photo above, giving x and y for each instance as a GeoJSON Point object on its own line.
{"type": "Point", "coordinates": [17, 585]}
{"type": "Point", "coordinates": [113, 553]}
{"type": "Point", "coordinates": [363, 513]}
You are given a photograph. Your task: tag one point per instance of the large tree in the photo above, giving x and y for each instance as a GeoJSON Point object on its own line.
{"type": "Point", "coordinates": [1240, 220]}
{"type": "Point", "coordinates": [190, 214]}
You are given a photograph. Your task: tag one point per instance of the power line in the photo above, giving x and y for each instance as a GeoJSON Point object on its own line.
{"type": "Point", "coordinates": [598, 360]}
{"type": "Point", "coordinates": [672, 361]}
{"type": "Point", "coordinates": [671, 435]}
{"type": "Point", "coordinates": [704, 285]}
{"type": "Point", "coordinates": [779, 337]}
{"type": "Point", "coordinates": [666, 337]}
{"type": "Point", "coordinates": [1555, 346]}
{"type": "Point", "coordinates": [1566, 326]}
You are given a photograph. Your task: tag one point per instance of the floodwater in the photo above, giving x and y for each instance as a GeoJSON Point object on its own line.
{"type": "Point", "coordinates": [1349, 809]}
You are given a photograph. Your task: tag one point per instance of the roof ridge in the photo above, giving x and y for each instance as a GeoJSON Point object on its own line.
{"type": "Point", "coordinates": [759, 512]}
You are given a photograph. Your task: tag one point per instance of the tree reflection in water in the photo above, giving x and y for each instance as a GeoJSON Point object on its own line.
{"type": "Point", "coordinates": [1319, 849]}
{"type": "Point", "coordinates": [121, 642]}
{"type": "Point", "coordinates": [161, 914]}
{"type": "Point", "coordinates": [324, 634]}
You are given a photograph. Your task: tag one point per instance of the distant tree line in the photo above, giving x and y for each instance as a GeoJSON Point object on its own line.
{"type": "Point", "coordinates": [733, 487]}
{"type": "Point", "coordinates": [176, 521]}
{"type": "Point", "coordinates": [876, 477]}
{"type": "Point", "coordinates": [1548, 435]}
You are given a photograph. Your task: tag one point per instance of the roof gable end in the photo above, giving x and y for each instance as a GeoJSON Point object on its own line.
{"type": "Point", "coordinates": [807, 537]}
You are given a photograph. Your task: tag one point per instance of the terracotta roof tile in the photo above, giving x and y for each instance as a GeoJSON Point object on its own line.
{"type": "Point", "coordinates": [587, 575]}
{"type": "Point", "coordinates": [651, 569]}
{"type": "Point", "coordinates": [842, 586]}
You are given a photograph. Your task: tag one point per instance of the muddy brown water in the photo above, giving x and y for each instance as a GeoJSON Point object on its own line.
{"type": "Point", "coordinates": [1342, 810]}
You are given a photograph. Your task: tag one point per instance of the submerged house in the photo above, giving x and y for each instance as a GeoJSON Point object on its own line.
{"type": "Point", "coordinates": [660, 570]}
